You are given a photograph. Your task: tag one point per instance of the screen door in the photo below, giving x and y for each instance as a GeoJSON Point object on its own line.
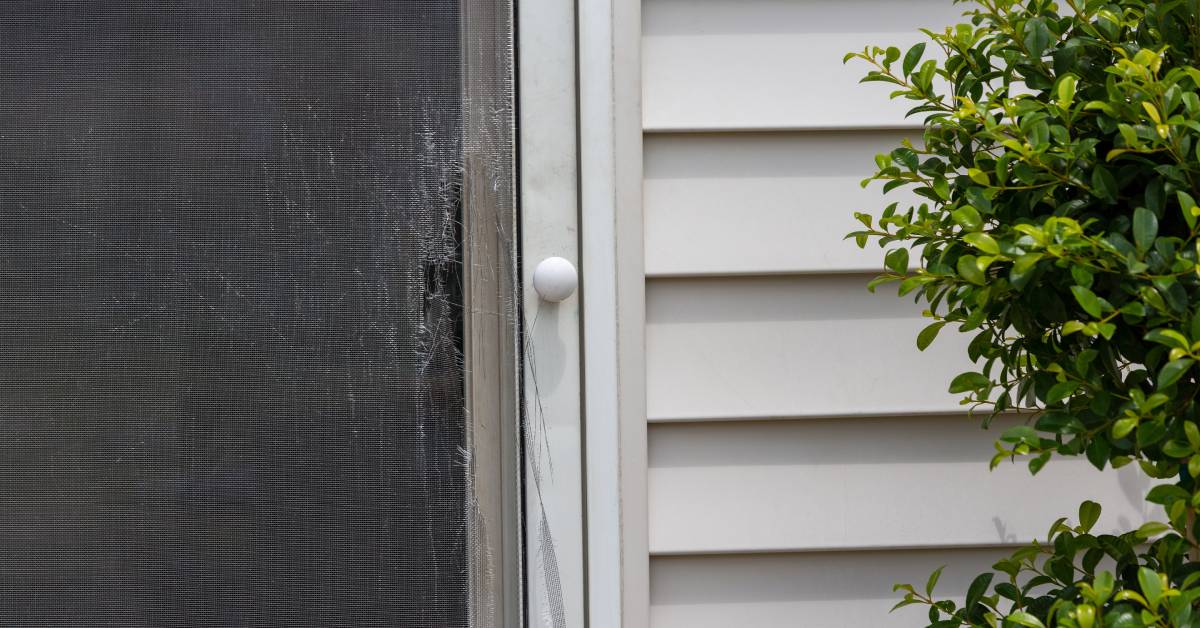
{"type": "Point", "coordinates": [235, 325]}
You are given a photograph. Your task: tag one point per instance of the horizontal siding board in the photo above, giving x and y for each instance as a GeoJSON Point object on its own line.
{"type": "Point", "coordinates": [862, 483]}
{"type": "Point", "coordinates": [791, 346]}
{"type": "Point", "coordinates": [761, 203]}
{"type": "Point", "coordinates": [842, 589]}
{"type": "Point", "coordinates": [773, 64]}
{"type": "Point", "coordinates": [756, 309]}
{"type": "Point", "coordinates": [759, 82]}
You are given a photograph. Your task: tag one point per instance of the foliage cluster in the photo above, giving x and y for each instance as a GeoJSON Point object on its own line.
{"type": "Point", "coordinates": [1055, 219]}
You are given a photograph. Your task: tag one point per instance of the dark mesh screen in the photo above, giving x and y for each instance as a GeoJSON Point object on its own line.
{"type": "Point", "coordinates": [230, 390]}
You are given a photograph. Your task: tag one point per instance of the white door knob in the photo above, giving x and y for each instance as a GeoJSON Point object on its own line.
{"type": "Point", "coordinates": [555, 279]}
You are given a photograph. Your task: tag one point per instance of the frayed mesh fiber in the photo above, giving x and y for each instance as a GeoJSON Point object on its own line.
{"type": "Point", "coordinates": [231, 385]}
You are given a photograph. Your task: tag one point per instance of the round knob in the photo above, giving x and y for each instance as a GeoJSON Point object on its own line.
{"type": "Point", "coordinates": [555, 279]}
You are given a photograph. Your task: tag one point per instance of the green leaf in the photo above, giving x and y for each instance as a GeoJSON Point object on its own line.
{"type": "Point", "coordinates": [1149, 433]}
{"type": "Point", "coordinates": [1061, 391]}
{"type": "Point", "coordinates": [1088, 301]}
{"type": "Point", "coordinates": [1176, 449]}
{"type": "Point", "coordinates": [1066, 90]}
{"type": "Point", "coordinates": [1130, 594]}
{"type": "Point", "coordinates": [1039, 134]}
{"type": "Point", "coordinates": [1098, 451]}
{"type": "Point", "coordinates": [1166, 493]}
{"type": "Point", "coordinates": [977, 588]}
{"type": "Point", "coordinates": [978, 176]}
{"type": "Point", "coordinates": [1123, 617]}
{"type": "Point", "coordinates": [942, 188]}
{"type": "Point", "coordinates": [1071, 327]}
{"type": "Point", "coordinates": [969, 381]}
{"type": "Point", "coordinates": [1152, 529]}
{"type": "Point", "coordinates": [933, 580]}
{"type": "Point", "coordinates": [1129, 135]}
{"type": "Point", "coordinates": [968, 269]}
{"type": "Point", "coordinates": [1037, 39]}
{"type": "Point", "coordinates": [1151, 585]}
{"type": "Point", "coordinates": [1089, 514]}
{"type": "Point", "coordinates": [1172, 371]}
{"type": "Point", "coordinates": [1082, 276]}
{"type": "Point", "coordinates": [1152, 111]}
{"type": "Point", "coordinates": [1145, 228]}
{"type": "Point", "coordinates": [925, 338]}
{"type": "Point", "coordinates": [1152, 298]}
{"type": "Point", "coordinates": [983, 242]}
{"type": "Point", "coordinates": [914, 282]}
{"type": "Point", "coordinates": [979, 199]}
{"type": "Point", "coordinates": [1187, 206]}
{"type": "Point", "coordinates": [1027, 261]}
{"type": "Point", "coordinates": [890, 56]}
{"type": "Point", "coordinates": [1006, 589]}
{"type": "Point", "coordinates": [1134, 309]}
{"type": "Point", "coordinates": [913, 57]}
{"type": "Point", "coordinates": [1103, 586]}
{"type": "Point", "coordinates": [897, 261]}
{"type": "Point", "coordinates": [967, 218]}
{"type": "Point", "coordinates": [906, 157]}
{"type": "Point", "coordinates": [1021, 618]}
{"type": "Point", "coordinates": [1036, 464]}
{"type": "Point", "coordinates": [924, 77]}
{"type": "Point", "coordinates": [1104, 184]}
{"type": "Point", "coordinates": [1169, 337]}
{"type": "Point", "coordinates": [1173, 292]}
{"type": "Point", "coordinates": [1059, 423]}
{"type": "Point", "coordinates": [1019, 434]}
{"type": "Point", "coordinates": [1193, 434]}
{"type": "Point", "coordinates": [1123, 427]}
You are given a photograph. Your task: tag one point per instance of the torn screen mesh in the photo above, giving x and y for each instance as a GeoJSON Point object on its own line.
{"type": "Point", "coordinates": [230, 384]}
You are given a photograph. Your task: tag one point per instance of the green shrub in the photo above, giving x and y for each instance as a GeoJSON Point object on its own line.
{"type": "Point", "coordinates": [1057, 223]}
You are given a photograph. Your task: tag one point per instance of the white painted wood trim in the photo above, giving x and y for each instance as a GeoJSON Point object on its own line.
{"type": "Point", "coordinates": [613, 311]}
{"type": "Point", "coordinates": [554, 526]}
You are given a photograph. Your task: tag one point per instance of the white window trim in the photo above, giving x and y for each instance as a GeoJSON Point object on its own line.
{"type": "Point", "coordinates": [552, 425]}
{"type": "Point", "coordinates": [587, 560]}
{"type": "Point", "coordinates": [613, 311]}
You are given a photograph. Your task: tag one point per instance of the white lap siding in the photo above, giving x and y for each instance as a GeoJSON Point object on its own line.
{"type": "Point", "coordinates": [803, 456]}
